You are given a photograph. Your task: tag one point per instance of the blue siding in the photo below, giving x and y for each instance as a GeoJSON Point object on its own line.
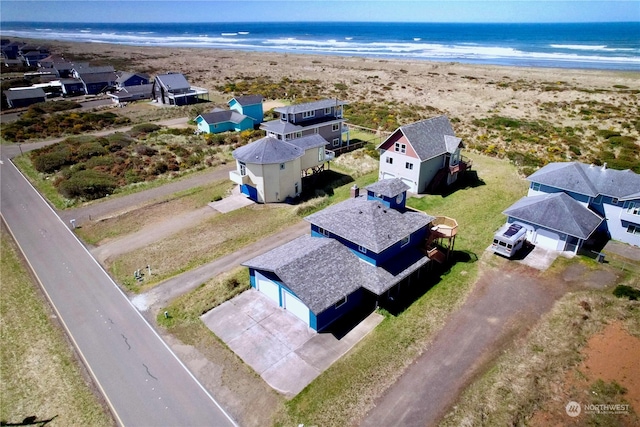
{"type": "Point", "coordinates": [253, 111]}
{"type": "Point", "coordinates": [389, 202]}
{"type": "Point", "coordinates": [323, 320]}
{"type": "Point", "coordinates": [135, 81]}
{"type": "Point", "coordinates": [415, 239]}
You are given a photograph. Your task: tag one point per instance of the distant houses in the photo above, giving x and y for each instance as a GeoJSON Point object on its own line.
{"type": "Point", "coordinates": [174, 89]}
{"type": "Point", "coordinates": [23, 97]}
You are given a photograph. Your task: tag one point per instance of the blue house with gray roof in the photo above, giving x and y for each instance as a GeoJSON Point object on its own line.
{"type": "Point", "coordinates": [219, 120]}
{"type": "Point", "coordinates": [358, 251]}
{"type": "Point", "coordinates": [250, 106]}
{"type": "Point", "coordinates": [567, 202]}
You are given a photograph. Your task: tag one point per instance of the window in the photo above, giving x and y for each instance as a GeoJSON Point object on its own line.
{"type": "Point", "coordinates": [308, 114]}
{"type": "Point", "coordinates": [362, 249]}
{"type": "Point", "coordinates": [535, 186]}
{"type": "Point", "coordinates": [633, 209]}
{"type": "Point", "coordinates": [297, 188]}
{"type": "Point", "coordinates": [323, 232]}
{"type": "Point", "coordinates": [336, 142]}
{"type": "Point", "coordinates": [341, 302]}
{"type": "Point", "coordinates": [335, 127]}
{"type": "Point", "coordinates": [408, 166]}
{"type": "Point", "coordinates": [281, 166]}
{"type": "Point", "coordinates": [298, 134]}
{"type": "Point", "coordinates": [633, 229]}
{"type": "Point", "coordinates": [389, 160]}
{"type": "Point", "coordinates": [614, 200]}
{"type": "Point", "coordinates": [401, 148]}
{"type": "Point", "coordinates": [315, 130]}
{"type": "Point", "coordinates": [404, 242]}
{"type": "Point", "coordinates": [243, 169]}
{"type": "Point", "coordinates": [321, 154]}
{"type": "Point", "coordinates": [327, 111]}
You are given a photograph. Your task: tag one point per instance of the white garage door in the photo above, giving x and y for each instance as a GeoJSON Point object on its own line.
{"type": "Point", "coordinates": [547, 239]}
{"type": "Point", "coordinates": [387, 175]}
{"type": "Point", "coordinates": [267, 287]}
{"type": "Point", "coordinates": [295, 306]}
{"type": "Point", "coordinates": [412, 187]}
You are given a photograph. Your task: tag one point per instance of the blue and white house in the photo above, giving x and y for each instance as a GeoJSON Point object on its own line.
{"type": "Point", "coordinates": [567, 202]}
{"type": "Point", "coordinates": [359, 251]}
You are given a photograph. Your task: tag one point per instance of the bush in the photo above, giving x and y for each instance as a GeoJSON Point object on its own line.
{"type": "Point", "coordinates": [144, 150]}
{"type": "Point", "coordinates": [49, 161]}
{"type": "Point", "coordinates": [87, 184]}
{"type": "Point", "coordinates": [142, 129]}
{"type": "Point", "coordinates": [624, 291]}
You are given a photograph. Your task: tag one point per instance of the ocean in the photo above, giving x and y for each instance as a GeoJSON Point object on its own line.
{"type": "Point", "coordinates": [610, 46]}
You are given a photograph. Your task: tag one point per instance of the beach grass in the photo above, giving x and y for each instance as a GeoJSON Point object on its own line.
{"type": "Point", "coordinates": [42, 381]}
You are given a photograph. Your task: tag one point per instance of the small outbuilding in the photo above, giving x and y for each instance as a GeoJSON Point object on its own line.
{"type": "Point", "coordinates": [219, 120]}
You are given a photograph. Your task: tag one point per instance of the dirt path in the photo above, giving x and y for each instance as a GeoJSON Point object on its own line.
{"type": "Point", "coordinates": [150, 302]}
{"type": "Point", "coordinates": [119, 205]}
{"type": "Point", "coordinates": [151, 233]}
{"type": "Point", "coordinates": [503, 304]}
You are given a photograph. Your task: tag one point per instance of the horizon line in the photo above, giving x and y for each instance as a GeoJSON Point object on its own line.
{"type": "Point", "coordinates": [322, 22]}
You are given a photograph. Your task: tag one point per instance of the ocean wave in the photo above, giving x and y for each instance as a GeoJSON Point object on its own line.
{"type": "Point", "coordinates": [603, 48]}
{"type": "Point", "coordinates": [417, 48]}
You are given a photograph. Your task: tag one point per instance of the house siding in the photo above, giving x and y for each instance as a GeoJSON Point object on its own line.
{"type": "Point", "coordinates": [428, 170]}
{"type": "Point", "coordinates": [253, 111]}
{"type": "Point", "coordinates": [620, 217]}
{"type": "Point", "coordinates": [322, 320]}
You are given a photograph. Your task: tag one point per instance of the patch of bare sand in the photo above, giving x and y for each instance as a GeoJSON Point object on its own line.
{"type": "Point", "coordinates": [611, 355]}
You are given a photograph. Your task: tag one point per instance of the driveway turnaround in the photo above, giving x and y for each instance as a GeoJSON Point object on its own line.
{"type": "Point", "coordinates": [284, 351]}
{"type": "Point", "coordinates": [142, 380]}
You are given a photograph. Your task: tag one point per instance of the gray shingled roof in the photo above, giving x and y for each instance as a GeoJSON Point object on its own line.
{"type": "Point", "coordinates": [125, 75]}
{"type": "Point", "coordinates": [267, 150]}
{"type": "Point", "coordinates": [99, 77]}
{"type": "Point", "coordinates": [82, 69]}
{"type": "Point", "coordinates": [430, 138]}
{"type": "Point", "coordinates": [321, 271]}
{"type": "Point", "coordinates": [309, 141]}
{"type": "Point", "coordinates": [26, 93]}
{"type": "Point", "coordinates": [248, 99]}
{"type": "Point", "coordinates": [558, 212]}
{"type": "Point", "coordinates": [589, 180]}
{"type": "Point", "coordinates": [173, 81]}
{"type": "Point", "coordinates": [309, 106]}
{"type": "Point", "coordinates": [369, 223]}
{"type": "Point", "coordinates": [223, 116]}
{"type": "Point", "coordinates": [388, 187]}
{"type": "Point", "coordinates": [280, 127]}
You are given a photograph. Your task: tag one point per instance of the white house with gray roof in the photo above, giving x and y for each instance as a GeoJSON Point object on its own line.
{"type": "Point", "coordinates": [270, 170]}
{"type": "Point", "coordinates": [423, 155]}
{"type": "Point", "coordinates": [360, 252]}
{"type": "Point", "coordinates": [324, 118]}
{"type": "Point", "coordinates": [613, 195]}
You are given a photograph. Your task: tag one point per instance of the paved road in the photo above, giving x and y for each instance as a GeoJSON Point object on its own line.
{"type": "Point", "coordinates": [143, 381]}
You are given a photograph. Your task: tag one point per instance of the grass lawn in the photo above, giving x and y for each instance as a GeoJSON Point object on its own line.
{"type": "Point", "coordinates": [40, 377]}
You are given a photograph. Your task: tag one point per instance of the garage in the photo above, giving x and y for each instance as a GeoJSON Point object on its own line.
{"type": "Point", "coordinates": [292, 304]}
{"type": "Point", "coordinates": [267, 287]}
{"type": "Point", "coordinates": [547, 239]}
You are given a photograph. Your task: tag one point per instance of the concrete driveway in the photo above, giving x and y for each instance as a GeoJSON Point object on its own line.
{"type": "Point", "coordinates": [281, 348]}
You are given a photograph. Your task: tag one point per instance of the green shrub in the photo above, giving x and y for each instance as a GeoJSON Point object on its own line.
{"type": "Point", "coordinates": [51, 160]}
{"type": "Point", "coordinates": [87, 184]}
{"type": "Point", "coordinates": [606, 133]}
{"type": "Point", "coordinates": [624, 291]}
{"type": "Point", "coordinates": [142, 129]}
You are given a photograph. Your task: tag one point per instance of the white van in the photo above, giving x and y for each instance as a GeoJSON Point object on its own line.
{"type": "Point", "coordinates": [509, 239]}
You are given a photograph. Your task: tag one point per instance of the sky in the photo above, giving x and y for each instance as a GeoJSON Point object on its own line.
{"type": "Point", "coordinates": [90, 11]}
